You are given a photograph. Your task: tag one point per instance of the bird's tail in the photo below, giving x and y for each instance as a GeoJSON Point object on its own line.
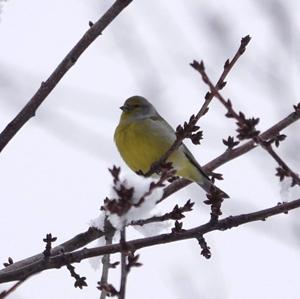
{"type": "Point", "coordinates": [210, 188]}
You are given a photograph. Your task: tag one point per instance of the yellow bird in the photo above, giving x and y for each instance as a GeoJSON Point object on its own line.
{"type": "Point", "coordinates": [143, 136]}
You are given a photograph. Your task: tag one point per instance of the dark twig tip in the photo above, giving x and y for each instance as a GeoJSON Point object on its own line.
{"type": "Point", "coordinates": [10, 262]}
{"type": "Point", "coordinates": [205, 248]}
{"type": "Point", "coordinates": [178, 227]}
{"type": "Point", "coordinates": [230, 142]}
{"type": "Point", "coordinates": [114, 265]}
{"type": "Point", "coordinates": [80, 282]}
{"type": "Point", "coordinates": [115, 172]}
{"type": "Point", "coordinates": [48, 240]}
{"type": "Point", "coordinates": [133, 261]}
{"type": "Point", "coordinates": [215, 198]}
{"type": "Point", "coordinates": [216, 176]}
{"type": "Point", "coordinates": [244, 42]}
{"type": "Point", "coordinates": [177, 212]}
{"type": "Point", "coordinates": [109, 289]}
{"type": "Point", "coordinates": [196, 137]}
{"type": "Point", "coordinates": [199, 66]}
{"type": "Point", "coordinates": [278, 139]}
{"type": "Point", "coordinates": [297, 108]}
{"type": "Point", "coordinates": [226, 64]}
{"type": "Point", "coordinates": [208, 95]}
{"type": "Point", "coordinates": [202, 65]}
{"type": "Point", "coordinates": [247, 127]}
{"type": "Point", "coordinates": [220, 85]}
{"type": "Point", "coordinates": [282, 173]}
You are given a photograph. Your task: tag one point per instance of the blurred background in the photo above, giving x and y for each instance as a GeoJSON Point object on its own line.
{"type": "Point", "coordinates": [53, 174]}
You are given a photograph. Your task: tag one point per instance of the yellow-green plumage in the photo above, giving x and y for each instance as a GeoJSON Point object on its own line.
{"type": "Point", "coordinates": [137, 148]}
{"type": "Point", "coordinates": [141, 143]}
{"type": "Point", "coordinates": [143, 136]}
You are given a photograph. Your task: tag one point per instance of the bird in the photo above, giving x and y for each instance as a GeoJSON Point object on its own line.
{"type": "Point", "coordinates": [143, 136]}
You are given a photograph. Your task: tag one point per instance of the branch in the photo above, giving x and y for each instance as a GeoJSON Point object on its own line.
{"type": "Point", "coordinates": [77, 256]}
{"type": "Point", "coordinates": [175, 214]}
{"type": "Point", "coordinates": [287, 170]}
{"type": "Point", "coordinates": [189, 127]}
{"type": "Point", "coordinates": [247, 126]}
{"type": "Point", "coordinates": [124, 270]}
{"type": "Point", "coordinates": [4, 294]}
{"type": "Point", "coordinates": [109, 233]}
{"type": "Point", "coordinates": [76, 242]}
{"type": "Point", "coordinates": [80, 281]}
{"type": "Point", "coordinates": [234, 153]}
{"type": "Point", "coordinates": [46, 87]}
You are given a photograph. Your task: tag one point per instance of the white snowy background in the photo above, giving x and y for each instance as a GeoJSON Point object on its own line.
{"type": "Point", "coordinates": [53, 174]}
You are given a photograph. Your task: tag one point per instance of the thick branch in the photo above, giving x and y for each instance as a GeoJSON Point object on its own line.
{"type": "Point", "coordinates": [76, 242]}
{"type": "Point", "coordinates": [46, 87]}
{"type": "Point", "coordinates": [77, 256]}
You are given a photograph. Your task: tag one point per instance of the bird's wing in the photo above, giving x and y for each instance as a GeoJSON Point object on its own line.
{"type": "Point", "coordinates": [170, 133]}
{"type": "Point", "coordinates": [163, 128]}
{"type": "Point", "coordinates": [192, 159]}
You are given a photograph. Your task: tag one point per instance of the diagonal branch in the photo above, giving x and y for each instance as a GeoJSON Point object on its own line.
{"type": "Point", "coordinates": [77, 256]}
{"type": "Point", "coordinates": [208, 98]}
{"type": "Point", "coordinates": [234, 153]}
{"type": "Point", "coordinates": [241, 120]}
{"type": "Point", "coordinates": [46, 87]}
{"type": "Point", "coordinates": [276, 157]}
{"type": "Point", "coordinates": [6, 293]}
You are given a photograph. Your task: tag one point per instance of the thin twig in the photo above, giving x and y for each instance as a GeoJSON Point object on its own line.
{"type": "Point", "coordinates": [48, 240]}
{"type": "Point", "coordinates": [80, 281]}
{"type": "Point", "coordinates": [205, 249]}
{"type": "Point", "coordinates": [153, 219]}
{"type": "Point", "coordinates": [228, 64]}
{"type": "Point", "coordinates": [276, 157]}
{"type": "Point", "coordinates": [208, 98]}
{"type": "Point", "coordinates": [74, 243]}
{"type": "Point", "coordinates": [237, 116]}
{"type": "Point", "coordinates": [77, 256]}
{"type": "Point", "coordinates": [124, 270]}
{"type": "Point", "coordinates": [46, 87]}
{"type": "Point", "coordinates": [109, 234]}
{"type": "Point", "coordinates": [175, 214]}
{"type": "Point", "coordinates": [4, 294]}
{"type": "Point", "coordinates": [234, 153]}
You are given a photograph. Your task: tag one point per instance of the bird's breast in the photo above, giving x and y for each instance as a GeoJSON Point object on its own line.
{"type": "Point", "coordinates": [141, 143]}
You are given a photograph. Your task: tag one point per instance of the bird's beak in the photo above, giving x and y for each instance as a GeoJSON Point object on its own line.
{"type": "Point", "coordinates": [124, 108]}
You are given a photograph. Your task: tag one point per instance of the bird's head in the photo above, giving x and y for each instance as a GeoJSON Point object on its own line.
{"type": "Point", "coordinates": [137, 107]}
